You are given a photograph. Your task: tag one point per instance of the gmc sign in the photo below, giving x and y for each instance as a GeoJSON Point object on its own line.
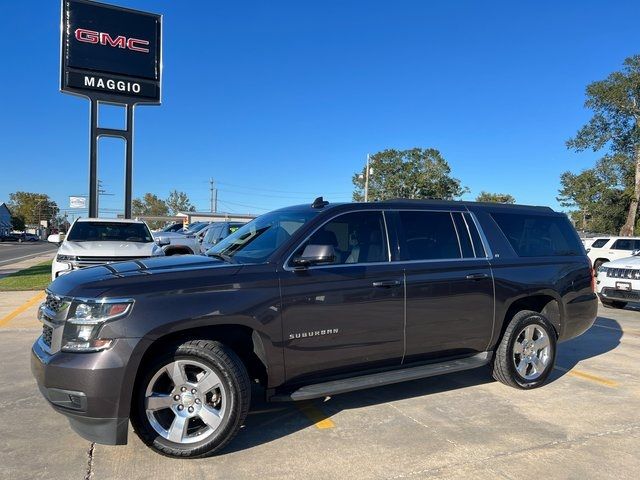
{"type": "Point", "coordinates": [110, 53]}
{"type": "Point", "coordinates": [89, 36]}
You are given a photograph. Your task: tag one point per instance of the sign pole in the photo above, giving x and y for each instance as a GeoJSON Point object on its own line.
{"type": "Point", "coordinates": [128, 175]}
{"type": "Point", "coordinates": [93, 160]}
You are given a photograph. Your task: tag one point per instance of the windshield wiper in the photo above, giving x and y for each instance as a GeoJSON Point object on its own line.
{"type": "Point", "coordinates": [221, 256]}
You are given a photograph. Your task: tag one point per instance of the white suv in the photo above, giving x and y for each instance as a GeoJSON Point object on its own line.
{"type": "Point", "coordinates": [618, 282]}
{"type": "Point", "coordinates": [606, 249]}
{"type": "Point", "coordinates": [96, 241]}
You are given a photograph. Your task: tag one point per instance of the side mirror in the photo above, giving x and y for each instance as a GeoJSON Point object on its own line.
{"type": "Point", "coordinates": [162, 241]}
{"type": "Point", "coordinates": [56, 238]}
{"type": "Point", "coordinates": [315, 255]}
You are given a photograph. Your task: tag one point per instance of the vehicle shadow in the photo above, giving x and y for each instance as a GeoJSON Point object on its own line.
{"type": "Point", "coordinates": [601, 338]}
{"type": "Point", "coordinates": [267, 422]}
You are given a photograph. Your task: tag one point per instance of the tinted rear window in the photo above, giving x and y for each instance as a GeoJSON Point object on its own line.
{"type": "Point", "coordinates": [538, 235]}
{"type": "Point", "coordinates": [601, 242]}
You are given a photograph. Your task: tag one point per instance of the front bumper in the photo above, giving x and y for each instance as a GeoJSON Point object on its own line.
{"type": "Point", "coordinates": [91, 389]}
{"type": "Point", "coordinates": [608, 293]}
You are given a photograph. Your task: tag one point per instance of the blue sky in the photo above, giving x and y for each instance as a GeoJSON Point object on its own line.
{"type": "Point", "coordinates": [281, 101]}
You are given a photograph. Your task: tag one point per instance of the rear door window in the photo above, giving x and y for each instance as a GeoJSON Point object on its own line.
{"type": "Point", "coordinates": [539, 235]}
{"type": "Point", "coordinates": [428, 236]}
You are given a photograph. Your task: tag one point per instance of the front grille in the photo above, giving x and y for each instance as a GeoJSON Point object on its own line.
{"type": "Point", "coordinates": [629, 273]}
{"type": "Point", "coordinates": [47, 334]}
{"type": "Point", "coordinates": [633, 296]}
{"type": "Point", "coordinates": [53, 303]}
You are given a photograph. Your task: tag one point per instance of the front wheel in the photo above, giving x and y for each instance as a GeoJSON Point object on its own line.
{"type": "Point", "coordinates": [526, 355]}
{"type": "Point", "coordinates": [192, 401]}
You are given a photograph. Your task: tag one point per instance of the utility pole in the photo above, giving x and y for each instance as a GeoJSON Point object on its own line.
{"type": "Point", "coordinates": [366, 181]}
{"type": "Point", "coordinates": [214, 196]}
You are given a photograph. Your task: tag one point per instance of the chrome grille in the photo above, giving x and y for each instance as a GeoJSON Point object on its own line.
{"type": "Point", "coordinates": [628, 273]}
{"type": "Point", "coordinates": [53, 303]}
{"type": "Point", "coordinates": [47, 334]}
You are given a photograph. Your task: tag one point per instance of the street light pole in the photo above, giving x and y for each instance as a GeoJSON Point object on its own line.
{"type": "Point", "coordinates": [366, 181]}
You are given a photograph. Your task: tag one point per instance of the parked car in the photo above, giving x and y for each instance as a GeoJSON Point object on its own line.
{"type": "Point", "coordinates": [94, 241]}
{"type": "Point", "coordinates": [31, 237]}
{"type": "Point", "coordinates": [182, 242]}
{"type": "Point", "coordinates": [310, 301]}
{"type": "Point", "coordinates": [216, 232]}
{"type": "Point", "coordinates": [618, 282]}
{"type": "Point", "coordinates": [608, 248]}
{"type": "Point", "coordinates": [13, 237]}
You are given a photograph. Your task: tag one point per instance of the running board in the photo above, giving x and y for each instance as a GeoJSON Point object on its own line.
{"type": "Point", "coordinates": [384, 378]}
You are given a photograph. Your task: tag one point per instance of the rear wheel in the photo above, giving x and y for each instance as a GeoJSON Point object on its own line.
{"type": "Point", "coordinates": [192, 401]}
{"type": "Point", "coordinates": [526, 355]}
{"type": "Point", "coordinates": [613, 303]}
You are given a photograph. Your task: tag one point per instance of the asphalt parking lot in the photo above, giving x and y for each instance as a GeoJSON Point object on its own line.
{"type": "Point", "coordinates": [584, 424]}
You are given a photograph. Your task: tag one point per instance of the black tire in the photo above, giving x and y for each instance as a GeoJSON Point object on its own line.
{"type": "Point", "coordinates": [613, 303]}
{"type": "Point", "coordinates": [504, 366]}
{"type": "Point", "coordinates": [233, 375]}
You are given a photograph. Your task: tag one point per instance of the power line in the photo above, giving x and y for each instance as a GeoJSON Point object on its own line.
{"type": "Point", "coordinates": [281, 191]}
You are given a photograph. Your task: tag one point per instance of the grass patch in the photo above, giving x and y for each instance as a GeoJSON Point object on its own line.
{"type": "Point", "coordinates": [32, 278]}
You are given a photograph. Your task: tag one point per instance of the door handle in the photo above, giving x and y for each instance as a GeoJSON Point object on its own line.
{"type": "Point", "coordinates": [387, 283]}
{"type": "Point", "coordinates": [477, 276]}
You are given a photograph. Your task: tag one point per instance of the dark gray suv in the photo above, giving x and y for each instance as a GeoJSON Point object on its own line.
{"type": "Point", "coordinates": [310, 301]}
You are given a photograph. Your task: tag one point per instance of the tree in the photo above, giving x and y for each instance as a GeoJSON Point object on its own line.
{"type": "Point", "coordinates": [31, 208]}
{"type": "Point", "coordinates": [415, 173]}
{"type": "Point", "coordinates": [495, 197]}
{"type": "Point", "coordinates": [150, 206]}
{"type": "Point", "coordinates": [600, 195]}
{"type": "Point", "coordinates": [179, 202]}
{"type": "Point", "coordinates": [615, 125]}
{"type": "Point", "coordinates": [17, 223]}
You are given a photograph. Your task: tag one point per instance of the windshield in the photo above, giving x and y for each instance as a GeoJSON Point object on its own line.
{"type": "Point", "coordinates": [196, 227]}
{"type": "Point", "coordinates": [258, 239]}
{"type": "Point", "coordinates": [109, 232]}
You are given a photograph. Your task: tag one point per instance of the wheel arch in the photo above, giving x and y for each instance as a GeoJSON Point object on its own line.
{"type": "Point", "coordinates": [542, 302]}
{"type": "Point", "coordinates": [178, 250]}
{"type": "Point", "coordinates": [246, 342]}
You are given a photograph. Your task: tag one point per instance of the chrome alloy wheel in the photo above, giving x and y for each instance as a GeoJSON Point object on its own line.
{"type": "Point", "coordinates": [532, 352]}
{"type": "Point", "coordinates": [185, 401]}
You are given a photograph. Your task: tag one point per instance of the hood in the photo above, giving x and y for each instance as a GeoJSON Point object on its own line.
{"type": "Point", "coordinates": [128, 278]}
{"type": "Point", "coordinates": [627, 262]}
{"type": "Point", "coordinates": [107, 249]}
{"type": "Point", "coordinates": [157, 235]}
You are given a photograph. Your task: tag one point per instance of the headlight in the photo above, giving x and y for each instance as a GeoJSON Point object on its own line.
{"type": "Point", "coordinates": [65, 258]}
{"type": "Point", "coordinates": [602, 269]}
{"type": "Point", "coordinates": [82, 328]}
